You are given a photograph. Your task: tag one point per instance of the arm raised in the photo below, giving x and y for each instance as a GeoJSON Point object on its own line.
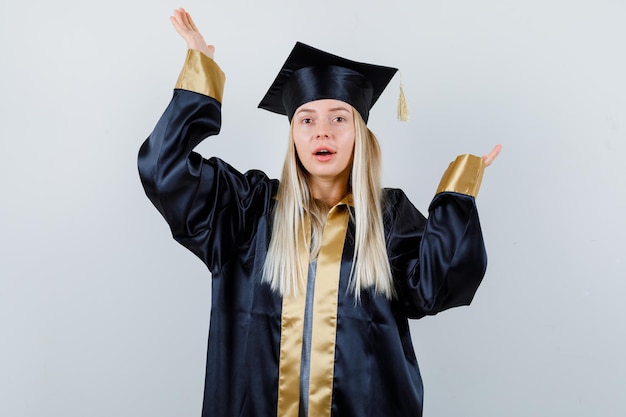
{"type": "Point", "coordinates": [185, 26]}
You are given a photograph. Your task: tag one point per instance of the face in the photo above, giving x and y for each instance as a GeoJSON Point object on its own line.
{"type": "Point", "coordinates": [324, 135]}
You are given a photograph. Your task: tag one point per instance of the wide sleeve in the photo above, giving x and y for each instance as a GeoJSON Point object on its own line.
{"type": "Point", "coordinates": [439, 262]}
{"type": "Point", "coordinates": [211, 208]}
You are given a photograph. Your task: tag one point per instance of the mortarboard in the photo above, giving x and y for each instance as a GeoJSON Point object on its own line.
{"type": "Point", "coordinates": [310, 74]}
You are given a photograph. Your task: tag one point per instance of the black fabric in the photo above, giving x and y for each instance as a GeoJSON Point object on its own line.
{"type": "Point", "coordinates": [224, 217]}
{"type": "Point", "coordinates": [310, 74]}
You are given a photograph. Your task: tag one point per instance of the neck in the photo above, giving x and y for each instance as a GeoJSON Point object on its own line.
{"type": "Point", "coordinates": [328, 192]}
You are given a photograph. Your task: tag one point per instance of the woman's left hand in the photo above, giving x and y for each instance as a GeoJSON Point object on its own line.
{"type": "Point", "coordinates": [489, 158]}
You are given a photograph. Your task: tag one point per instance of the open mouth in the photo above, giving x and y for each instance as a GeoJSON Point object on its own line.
{"type": "Point", "coordinates": [323, 151]}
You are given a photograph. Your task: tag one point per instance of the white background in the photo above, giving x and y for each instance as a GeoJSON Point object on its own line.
{"type": "Point", "coordinates": [103, 314]}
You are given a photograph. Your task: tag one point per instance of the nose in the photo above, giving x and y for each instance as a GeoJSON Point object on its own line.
{"type": "Point", "coordinates": [323, 132]}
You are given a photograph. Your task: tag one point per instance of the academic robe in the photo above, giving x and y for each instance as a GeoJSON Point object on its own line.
{"type": "Point", "coordinates": [362, 352]}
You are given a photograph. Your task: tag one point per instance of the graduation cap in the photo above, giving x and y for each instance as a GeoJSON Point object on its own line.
{"type": "Point", "coordinates": [310, 74]}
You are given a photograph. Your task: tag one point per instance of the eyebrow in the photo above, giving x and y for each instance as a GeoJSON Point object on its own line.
{"type": "Point", "coordinates": [307, 110]}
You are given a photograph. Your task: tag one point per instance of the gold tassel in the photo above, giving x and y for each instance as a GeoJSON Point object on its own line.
{"type": "Point", "coordinates": [403, 108]}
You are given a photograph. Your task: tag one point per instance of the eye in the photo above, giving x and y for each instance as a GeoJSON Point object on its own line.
{"type": "Point", "coordinates": [306, 121]}
{"type": "Point", "coordinates": [339, 119]}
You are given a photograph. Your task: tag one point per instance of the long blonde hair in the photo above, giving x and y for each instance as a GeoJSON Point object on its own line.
{"type": "Point", "coordinates": [370, 268]}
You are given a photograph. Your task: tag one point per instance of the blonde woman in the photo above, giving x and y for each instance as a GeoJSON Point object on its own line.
{"type": "Point", "coordinates": [315, 275]}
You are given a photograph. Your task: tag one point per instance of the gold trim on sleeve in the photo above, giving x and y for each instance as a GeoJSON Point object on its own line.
{"type": "Point", "coordinates": [201, 74]}
{"type": "Point", "coordinates": [463, 176]}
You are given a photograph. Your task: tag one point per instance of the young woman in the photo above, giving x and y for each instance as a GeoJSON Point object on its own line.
{"type": "Point", "coordinates": [315, 276]}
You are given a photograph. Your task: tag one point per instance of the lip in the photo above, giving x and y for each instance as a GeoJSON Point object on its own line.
{"type": "Point", "coordinates": [326, 156]}
{"type": "Point", "coordinates": [323, 148]}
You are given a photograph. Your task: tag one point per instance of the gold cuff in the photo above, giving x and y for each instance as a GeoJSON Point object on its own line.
{"type": "Point", "coordinates": [201, 74]}
{"type": "Point", "coordinates": [463, 176]}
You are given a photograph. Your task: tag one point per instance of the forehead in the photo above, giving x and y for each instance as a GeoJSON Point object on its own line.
{"type": "Point", "coordinates": [324, 105]}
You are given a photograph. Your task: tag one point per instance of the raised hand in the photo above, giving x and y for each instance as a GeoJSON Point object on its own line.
{"type": "Point", "coordinates": [492, 155]}
{"type": "Point", "coordinates": [184, 25]}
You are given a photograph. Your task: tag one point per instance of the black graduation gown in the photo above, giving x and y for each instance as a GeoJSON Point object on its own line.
{"type": "Point", "coordinates": [223, 216]}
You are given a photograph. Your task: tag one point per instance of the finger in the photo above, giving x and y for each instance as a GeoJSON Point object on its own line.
{"type": "Point", "coordinates": [181, 17]}
{"type": "Point", "coordinates": [187, 20]}
{"type": "Point", "coordinates": [489, 158]}
{"type": "Point", "coordinates": [176, 18]}
{"type": "Point", "coordinates": [192, 24]}
{"type": "Point", "coordinates": [178, 14]}
{"type": "Point", "coordinates": [177, 25]}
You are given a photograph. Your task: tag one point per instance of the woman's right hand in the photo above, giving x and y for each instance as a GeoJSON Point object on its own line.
{"type": "Point", "coordinates": [184, 25]}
